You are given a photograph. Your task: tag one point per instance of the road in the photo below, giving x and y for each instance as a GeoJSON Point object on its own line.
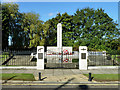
{"type": "Point", "coordinates": [58, 86]}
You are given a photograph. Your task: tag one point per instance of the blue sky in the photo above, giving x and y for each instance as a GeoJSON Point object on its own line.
{"type": "Point", "coordinates": [48, 10]}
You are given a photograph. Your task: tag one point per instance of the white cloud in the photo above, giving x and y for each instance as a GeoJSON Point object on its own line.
{"type": "Point", "coordinates": [54, 14]}
{"type": "Point", "coordinates": [51, 14]}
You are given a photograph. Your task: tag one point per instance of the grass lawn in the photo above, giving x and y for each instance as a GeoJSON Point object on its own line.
{"type": "Point", "coordinates": [18, 76]}
{"type": "Point", "coordinates": [104, 77]}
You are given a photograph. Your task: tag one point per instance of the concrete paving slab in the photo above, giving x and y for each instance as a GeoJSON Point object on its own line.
{"type": "Point", "coordinates": [99, 72]}
{"type": "Point", "coordinates": [19, 71]}
{"type": "Point", "coordinates": [29, 71]}
{"type": "Point", "coordinates": [49, 71]}
{"type": "Point", "coordinates": [57, 72]}
{"type": "Point", "coordinates": [76, 71]}
{"type": "Point", "coordinates": [113, 71]}
{"type": "Point", "coordinates": [47, 74]}
{"type": "Point", "coordinates": [72, 71]}
{"type": "Point", "coordinates": [103, 72]}
{"type": "Point", "coordinates": [68, 72]}
{"type": "Point", "coordinates": [107, 72]}
{"type": "Point", "coordinates": [85, 71]}
{"type": "Point", "coordinates": [7, 71]}
{"type": "Point", "coordinates": [66, 78]}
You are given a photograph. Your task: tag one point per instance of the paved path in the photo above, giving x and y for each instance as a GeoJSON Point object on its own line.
{"type": "Point", "coordinates": [55, 72]}
{"type": "Point", "coordinates": [63, 75]}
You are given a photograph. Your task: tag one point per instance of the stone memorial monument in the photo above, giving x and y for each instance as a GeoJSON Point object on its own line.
{"type": "Point", "coordinates": [54, 53]}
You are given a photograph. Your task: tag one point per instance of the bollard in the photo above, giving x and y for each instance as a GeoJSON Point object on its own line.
{"type": "Point", "coordinates": [90, 78]}
{"type": "Point", "coordinates": [40, 76]}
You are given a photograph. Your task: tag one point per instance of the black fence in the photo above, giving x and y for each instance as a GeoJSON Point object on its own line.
{"type": "Point", "coordinates": [17, 58]}
{"type": "Point", "coordinates": [102, 59]}
{"type": "Point", "coordinates": [24, 58]}
{"type": "Point", "coordinates": [61, 61]}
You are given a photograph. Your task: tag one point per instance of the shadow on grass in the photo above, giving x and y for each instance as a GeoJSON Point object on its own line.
{"type": "Point", "coordinates": [8, 79]}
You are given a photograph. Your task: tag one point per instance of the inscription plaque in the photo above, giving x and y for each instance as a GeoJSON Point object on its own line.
{"type": "Point", "coordinates": [40, 55]}
{"type": "Point", "coordinates": [83, 55]}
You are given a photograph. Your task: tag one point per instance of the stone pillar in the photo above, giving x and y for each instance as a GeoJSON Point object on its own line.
{"type": "Point", "coordinates": [59, 35]}
{"type": "Point", "coordinates": [40, 57]}
{"type": "Point", "coordinates": [82, 57]}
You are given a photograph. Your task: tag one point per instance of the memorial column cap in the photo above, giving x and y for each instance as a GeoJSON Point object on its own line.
{"type": "Point", "coordinates": [59, 24]}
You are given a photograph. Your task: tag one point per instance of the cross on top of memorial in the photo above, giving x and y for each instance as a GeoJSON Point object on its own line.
{"type": "Point", "coordinates": [83, 49]}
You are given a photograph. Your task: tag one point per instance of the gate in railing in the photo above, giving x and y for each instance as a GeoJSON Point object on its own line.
{"type": "Point", "coordinates": [65, 60]}
{"type": "Point", "coordinates": [17, 58]}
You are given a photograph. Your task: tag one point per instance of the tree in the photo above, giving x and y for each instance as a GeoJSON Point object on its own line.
{"type": "Point", "coordinates": [25, 29]}
{"type": "Point", "coordinates": [89, 27]}
{"type": "Point", "coordinates": [10, 24]}
{"type": "Point", "coordinates": [0, 27]}
{"type": "Point", "coordinates": [95, 29]}
{"type": "Point", "coordinates": [32, 27]}
{"type": "Point", "coordinates": [67, 29]}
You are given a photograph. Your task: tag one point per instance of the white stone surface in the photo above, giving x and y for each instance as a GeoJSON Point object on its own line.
{"type": "Point", "coordinates": [34, 67]}
{"type": "Point", "coordinates": [40, 62]}
{"type": "Point", "coordinates": [82, 62]}
{"type": "Point", "coordinates": [65, 49]}
{"type": "Point", "coordinates": [52, 49]}
{"type": "Point", "coordinates": [19, 67]}
{"type": "Point", "coordinates": [58, 50]}
{"type": "Point", "coordinates": [103, 67]}
{"type": "Point", "coordinates": [57, 59]}
{"type": "Point", "coordinates": [54, 54]}
{"type": "Point", "coordinates": [59, 35]}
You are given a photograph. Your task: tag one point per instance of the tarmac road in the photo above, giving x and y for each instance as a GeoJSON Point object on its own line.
{"type": "Point", "coordinates": [61, 86]}
{"type": "Point", "coordinates": [57, 87]}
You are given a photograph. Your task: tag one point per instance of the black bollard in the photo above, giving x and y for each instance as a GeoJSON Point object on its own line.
{"type": "Point", "coordinates": [90, 78]}
{"type": "Point", "coordinates": [40, 76]}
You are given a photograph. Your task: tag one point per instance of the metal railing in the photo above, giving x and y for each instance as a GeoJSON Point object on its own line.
{"type": "Point", "coordinates": [17, 58]}
{"type": "Point", "coordinates": [61, 60]}
{"type": "Point", "coordinates": [105, 59]}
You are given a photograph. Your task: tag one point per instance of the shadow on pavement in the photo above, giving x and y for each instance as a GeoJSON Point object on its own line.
{"type": "Point", "coordinates": [43, 78]}
{"type": "Point", "coordinates": [83, 87]}
{"type": "Point", "coordinates": [6, 61]}
{"type": "Point", "coordinates": [64, 84]}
